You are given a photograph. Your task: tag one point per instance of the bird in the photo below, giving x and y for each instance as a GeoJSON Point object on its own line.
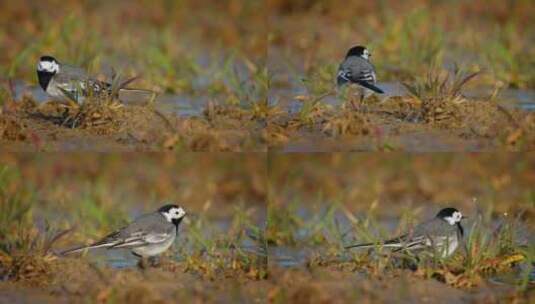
{"type": "Point", "coordinates": [147, 236]}
{"type": "Point", "coordinates": [65, 82]}
{"type": "Point", "coordinates": [443, 233]}
{"type": "Point", "coordinates": [356, 68]}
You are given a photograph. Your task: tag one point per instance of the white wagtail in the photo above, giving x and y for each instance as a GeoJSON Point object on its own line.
{"type": "Point", "coordinates": [357, 69]}
{"type": "Point", "coordinates": [66, 82]}
{"type": "Point", "coordinates": [147, 236]}
{"type": "Point", "coordinates": [442, 234]}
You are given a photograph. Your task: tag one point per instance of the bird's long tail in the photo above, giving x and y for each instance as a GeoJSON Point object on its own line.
{"type": "Point", "coordinates": [369, 245]}
{"type": "Point", "coordinates": [370, 86]}
{"type": "Point", "coordinates": [82, 248]}
{"type": "Point", "coordinates": [144, 91]}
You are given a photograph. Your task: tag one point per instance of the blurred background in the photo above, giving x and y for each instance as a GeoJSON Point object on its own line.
{"type": "Point", "coordinates": [399, 181]}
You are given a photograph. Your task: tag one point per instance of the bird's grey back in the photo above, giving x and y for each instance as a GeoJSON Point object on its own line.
{"type": "Point", "coordinates": [433, 227]}
{"type": "Point", "coordinates": [358, 66]}
{"type": "Point", "coordinates": [153, 222]}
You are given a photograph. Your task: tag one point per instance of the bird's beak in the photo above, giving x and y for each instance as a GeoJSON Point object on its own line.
{"type": "Point", "coordinates": [464, 217]}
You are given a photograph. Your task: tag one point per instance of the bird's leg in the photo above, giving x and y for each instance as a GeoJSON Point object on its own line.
{"type": "Point", "coordinates": [142, 263]}
{"type": "Point", "coordinates": [353, 103]}
{"type": "Point", "coordinates": [363, 105]}
{"type": "Point", "coordinates": [154, 261]}
{"type": "Point", "coordinates": [359, 93]}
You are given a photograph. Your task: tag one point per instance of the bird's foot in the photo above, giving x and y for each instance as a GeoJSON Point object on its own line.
{"type": "Point", "coordinates": [147, 262]}
{"type": "Point", "coordinates": [154, 261]}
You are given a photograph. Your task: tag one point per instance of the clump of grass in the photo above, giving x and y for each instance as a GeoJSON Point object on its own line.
{"type": "Point", "coordinates": [440, 85]}
{"type": "Point", "coordinates": [24, 251]}
{"type": "Point", "coordinates": [440, 94]}
{"type": "Point", "coordinates": [106, 115]}
{"type": "Point", "coordinates": [211, 254]}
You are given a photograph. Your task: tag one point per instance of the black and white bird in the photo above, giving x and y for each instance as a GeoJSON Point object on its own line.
{"type": "Point", "coordinates": [441, 235]}
{"type": "Point", "coordinates": [148, 236]}
{"type": "Point", "coordinates": [65, 82]}
{"type": "Point", "coordinates": [357, 69]}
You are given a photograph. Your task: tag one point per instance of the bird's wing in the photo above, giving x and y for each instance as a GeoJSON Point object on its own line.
{"type": "Point", "coordinates": [147, 229]}
{"type": "Point", "coordinates": [74, 80]}
{"type": "Point", "coordinates": [433, 233]}
{"type": "Point", "coordinates": [142, 238]}
{"type": "Point", "coordinates": [360, 71]}
{"type": "Point", "coordinates": [414, 239]}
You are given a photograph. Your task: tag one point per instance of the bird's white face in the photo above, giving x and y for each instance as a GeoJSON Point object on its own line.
{"type": "Point", "coordinates": [174, 213]}
{"type": "Point", "coordinates": [455, 218]}
{"type": "Point", "coordinates": [48, 66]}
{"type": "Point", "coordinates": [366, 54]}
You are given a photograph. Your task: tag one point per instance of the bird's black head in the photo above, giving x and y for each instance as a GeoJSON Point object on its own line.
{"type": "Point", "coordinates": [48, 58]}
{"type": "Point", "coordinates": [172, 213]}
{"type": "Point", "coordinates": [359, 51]}
{"type": "Point", "coordinates": [450, 215]}
{"type": "Point", "coordinates": [47, 67]}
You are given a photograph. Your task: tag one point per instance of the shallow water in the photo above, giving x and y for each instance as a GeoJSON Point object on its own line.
{"type": "Point", "coordinates": [289, 257]}
{"type": "Point", "coordinates": [517, 98]}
